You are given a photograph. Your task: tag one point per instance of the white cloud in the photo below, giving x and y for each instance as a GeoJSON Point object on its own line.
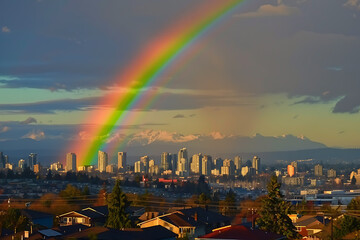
{"type": "Point", "coordinates": [36, 135]}
{"type": "Point", "coordinates": [150, 136]}
{"type": "Point", "coordinates": [269, 10]}
{"type": "Point", "coordinates": [5, 29]}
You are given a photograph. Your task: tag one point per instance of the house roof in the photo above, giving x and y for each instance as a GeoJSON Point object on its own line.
{"type": "Point", "coordinates": [205, 216]}
{"type": "Point", "coordinates": [311, 220]}
{"type": "Point", "coordinates": [32, 214]}
{"type": "Point", "coordinates": [103, 233]}
{"type": "Point", "coordinates": [49, 233]}
{"type": "Point", "coordinates": [100, 209]}
{"type": "Point", "coordinates": [69, 229]}
{"type": "Point", "coordinates": [240, 232]}
{"type": "Point", "coordinates": [179, 220]}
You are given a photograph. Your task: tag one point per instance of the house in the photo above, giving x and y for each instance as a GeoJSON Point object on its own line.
{"type": "Point", "coordinates": [191, 222]}
{"type": "Point", "coordinates": [38, 218]}
{"type": "Point", "coordinates": [240, 232]}
{"type": "Point", "coordinates": [310, 225]}
{"type": "Point", "coordinates": [87, 216]}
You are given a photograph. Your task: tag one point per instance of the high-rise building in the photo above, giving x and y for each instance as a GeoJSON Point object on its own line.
{"type": "Point", "coordinates": [37, 168]}
{"type": "Point", "coordinates": [183, 154]}
{"type": "Point", "coordinates": [196, 163]}
{"type": "Point", "coordinates": [56, 167]}
{"type": "Point", "coordinates": [295, 165]}
{"type": "Point", "coordinates": [137, 167]}
{"type": "Point", "coordinates": [174, 162]}
{"type": "Point", "coordinates": [102, 161]}
{"type": "Point", "coordinates": [237, 162]}
{"type": "Point", "coordinates": [331, 173]}
{"type": "Point", "coordinates": [2, 160]}
{"type": "Point", "coordinates": [32, 160]}
{"type": "Point", "coordinates": [256, 164]}
{"type": "Point", "coordinates": [291, 170]}
{"type": "Point", "coordinates": [121, 160]}
{"type": "Point", "coordinates": [247, 171]}
{"type": "Point", "coordinates": [71, 162]}
{"type": "Point", "coordinates": [22, 164]}
{"type": "Point", "coordinates": [228, 167]}
{"type": "Point", "coordinates": [165, 161]}
{"type": "Point", "coordinates": [145, 164]}
{"type": "Point", "coordinates": [318, 170]}
{"type": "Point", "coordinates": [206, 165]}
{"type": "Point", "coordinates": [217, 163]}
{"type": "Point", "coordinates": [111, 168]}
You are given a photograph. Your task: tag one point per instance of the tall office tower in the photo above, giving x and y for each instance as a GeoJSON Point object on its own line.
{"type": "Point", "coordinates": [102, 161]}
{"type": "Point", "coordinates": [137, 167]}
{"type": "Point", "coordinates": [228, 167]}
{"type": "Point", "coordinates": [206, 165]}
{"type": "Point", "coordinates": [237, 162]}
{"type": "Point", "coordinates": [2, 160]}
{"type": "Point", "coordinates": [145, 164]}
{"type": "Point", "coordinates": [183, 154]}
{"type": "Point", "coordinates": [331, 173]}
{"type": "Point", "coordinates": [71, 162]}
{"type": "Point", "coordinates": [122, 160]}
{"type": "Point", "coordinates": [295, 165]}
{"type": "Point", "coordinates": [196, 163]}
{"type": "Point", "coordinates": [174, 162]}
{"type": "Point", "coordinates": [165, 161]}
{"type": "Point", "coordinates": [290, 170]}
{"type": "Point", "coordinates": [217, 163]}
{"type": "Point", "coordinates": [22, 164]}
{"type": "Point", "coordinates": [32, 160]}
{"type": "Point", "coordinates": [318, 170]}
{"type": "Point", "coordinates": [6, 159]}
{"type": "Point", "coordinates": [256, 164]}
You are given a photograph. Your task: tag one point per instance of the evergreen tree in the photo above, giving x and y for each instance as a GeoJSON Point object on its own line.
{"type": "Point", "coordinates": [273, 214]}
{"type": "Point", "coordinates": [117, 205]}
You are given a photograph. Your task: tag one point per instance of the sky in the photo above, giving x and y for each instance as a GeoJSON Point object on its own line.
{"type": "Point", "coordinates": [270, 68]}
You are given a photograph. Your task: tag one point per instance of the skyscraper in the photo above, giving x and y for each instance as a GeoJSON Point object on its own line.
{"type": "Point", "coordinates": [2, 160]}
{"type": "Point", "coordinates": [102, 161]}
{"type": "Point", "coordinates": [196, 163]}
{"type": "Point", "coordinates": [318, 170]}
{"type": "Point", "coordinates": [32, 160]}
{"type": "Point", "coordinates": [237, 162]}
{"type": "Point", "coordinates": [228, 167]}
{"type": "Point", "coordinates": [71, 162]}
{"type": "Point", "coordinates": [122, 160]}
{"type": "Point", "coordinates": [206, 165]}
{"type": "Point", "coordinates": [256, 164]}
{"type": "Point", "coordinates": [183, 155]}
{"type": "Point", "coordinates": [145, 164]}
{"type": "Point", "coordinates": [165, 161]}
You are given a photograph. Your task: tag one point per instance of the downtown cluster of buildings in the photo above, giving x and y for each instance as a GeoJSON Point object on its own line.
{"type": "Point", "coordinates": [30, 162]}
{"type": "Point", "coordinates": [179, 164]}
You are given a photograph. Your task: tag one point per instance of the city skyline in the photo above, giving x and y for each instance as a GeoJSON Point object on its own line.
{"type": "Point", "coordinates": [257, 71]}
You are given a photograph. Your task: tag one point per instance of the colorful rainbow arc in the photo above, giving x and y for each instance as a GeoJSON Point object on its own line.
{"type": "Point", "coordinates": [146, 68]}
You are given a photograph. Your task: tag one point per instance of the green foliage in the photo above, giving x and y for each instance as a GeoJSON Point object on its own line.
{"type": "Point", "coordinates": [117, 205]}
{"type": "Point", "coordinates": [273, 214]}
{"type": "Point", "coordinates": [13, 220]}
{"type": "Point", "coordinates": [228, 206]}
{"type": "Point", "coordinates": [71, 192]}
{"type": "Point", "coordinates": [348, 223]}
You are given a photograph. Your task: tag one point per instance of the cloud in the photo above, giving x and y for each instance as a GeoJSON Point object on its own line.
{"type": "Point", "coordinates": [4, 129]}
{"type": "Point", "coordinates": [5, 29]}
{"type": "Point", "coordinates": [269, 10]}
{"type": "Point", "coordinates": [150, 136]}
{"type": "Point", "coordinates": [35, 135]}
{"type": "Point", "coordinates": [50, 106]}
{"type": "Point", "coordinates": [179, 116]}
{"type": "Point", "coordinates": [348, 104]}
{"type": "Point", "coordinates": [29, 120]}
{"type": "Point", "coordinates": [353, 4]}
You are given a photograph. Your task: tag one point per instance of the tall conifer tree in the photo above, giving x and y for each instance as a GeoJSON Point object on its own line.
{"type": "Point", "coordinates": [117, 205]}
{"type": "Point", "coordinates": [273, 215]}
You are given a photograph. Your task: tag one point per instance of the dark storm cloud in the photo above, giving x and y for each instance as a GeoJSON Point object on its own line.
{"type": "Point", "coordinates": [302, 54]}
{"type": "Point", "coordinates": [49, 106]}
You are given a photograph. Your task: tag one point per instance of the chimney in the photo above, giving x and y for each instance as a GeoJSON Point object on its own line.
{"type": "Point", "coordinates": [196, 216]}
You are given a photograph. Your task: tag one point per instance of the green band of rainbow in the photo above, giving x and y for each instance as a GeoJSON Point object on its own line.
{"type": "Point", "coordinates": [146, 68]}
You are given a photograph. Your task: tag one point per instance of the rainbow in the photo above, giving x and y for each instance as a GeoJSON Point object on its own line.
{"type": "Point", "coordinates": [142, 72]}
